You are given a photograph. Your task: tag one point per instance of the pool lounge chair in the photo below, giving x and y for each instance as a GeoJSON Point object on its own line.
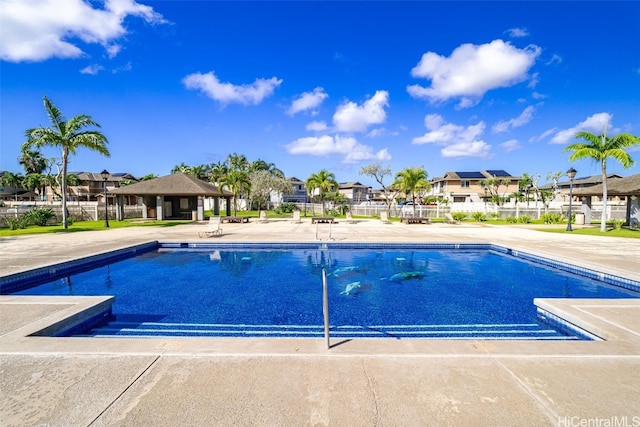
{"type": "Point", "coordinates": [213, 228]}
{"type": "Point", "coordinates": [350, 219]}
{"type": "Point", "coordinates": [296, 217]}
{"type": "Point", "coordinates": [449, 219]}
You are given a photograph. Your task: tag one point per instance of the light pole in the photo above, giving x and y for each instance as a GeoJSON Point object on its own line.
{"type": "Point", "coordinates": [105, 175]}
{"type": "Point", "coordinates": [571, 173]}
{"type": "Point", "coordinates": [485, 198]}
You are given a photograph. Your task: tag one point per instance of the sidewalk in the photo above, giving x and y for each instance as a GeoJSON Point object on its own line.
{"type": "Point", "coordinates": [202, 381]}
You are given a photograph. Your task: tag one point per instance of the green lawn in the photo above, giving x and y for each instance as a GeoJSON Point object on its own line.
{"type": "Point", "coordinates": [595, 231]}
{"type": "Point", "coordinates": [86, 226]}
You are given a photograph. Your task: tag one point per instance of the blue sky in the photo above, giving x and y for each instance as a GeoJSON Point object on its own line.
{"type": "Point", "coordinates": [449, 86]}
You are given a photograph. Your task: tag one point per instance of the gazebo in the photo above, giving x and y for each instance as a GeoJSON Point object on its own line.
{"type": "Point", "coordinates": [175, 196]}
{"type": "Point", "coordinates": [628, 187]}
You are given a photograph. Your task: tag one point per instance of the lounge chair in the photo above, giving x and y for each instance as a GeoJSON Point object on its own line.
{"type": "Point", "coordinates": [449, 219]}
{"type": "Point", "coordinates": [350, 219]}
{"type": "Point", "coordinates": [384, 217]}
{"type": "Point", "coordinates": [213, 228]}
{"type": "Point", "coordinates": [263, 216]}
{"type": "Point", "coordinates": [296, 217]}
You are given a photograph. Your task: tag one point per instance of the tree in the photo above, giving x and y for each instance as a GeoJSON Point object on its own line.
{"type": "Point", "coordinates": [13, 180]}
{"type": "Point", "coordinates": [377, 171]}
{"type": "Point", "coordinates": [263, 183]}
{"type": "Point", "coordinates": [237, 182]}
{"type": "Point", "coordinates": [600, 148]}
{"type": "Point", "coordinates": [217, 171]}
{"type": "Point", "coordinates": [32, 161]}
{"type": "Point", "coordinates": [412, 181]}
{"type": "Point", "coordinates": [324, 182]}
{"type": "Point", "coordinates": [68, 136]}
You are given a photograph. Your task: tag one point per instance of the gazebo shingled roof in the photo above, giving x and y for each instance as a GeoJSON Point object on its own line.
{"type": "Point", "coordinates": [176, 184]}
{"type": "Point", "coordinates": [628, 186]}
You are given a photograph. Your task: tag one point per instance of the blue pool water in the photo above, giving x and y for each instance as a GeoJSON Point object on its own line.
{"type": "Point", "coordinates": [372, 292]}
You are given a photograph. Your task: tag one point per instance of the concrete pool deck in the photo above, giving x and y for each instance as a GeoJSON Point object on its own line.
{"type": "Point", "coordinates": [365, 382]}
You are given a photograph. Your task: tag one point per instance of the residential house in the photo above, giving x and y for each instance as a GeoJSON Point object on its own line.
{"type": "Point", "coordinates": [299, 194]}
{"type": "Point", "coordinates": [91, 187]}
{"type": "Point", "coordinates": [355, 191]}
{"type": "Point", "coordinates": [582, 183]}
{"type": "Point", "coordinates": [467, 186]}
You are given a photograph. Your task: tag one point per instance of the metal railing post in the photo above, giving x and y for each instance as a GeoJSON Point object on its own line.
{"type": "Point", "coordinates": [325, 308]}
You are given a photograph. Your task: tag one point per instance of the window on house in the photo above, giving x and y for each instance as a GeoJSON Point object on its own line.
{"type": "Point", "coordinates": [464, 183]}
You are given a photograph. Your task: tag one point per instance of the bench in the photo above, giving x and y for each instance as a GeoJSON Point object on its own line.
{"type": "Point", "coordinates": [323, 220]}
{"type": "Point", "coordinates": [415, 220]}
{"type": "Point", "coordinates": [235, 219]}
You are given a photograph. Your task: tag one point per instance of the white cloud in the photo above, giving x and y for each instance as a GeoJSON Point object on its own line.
{"type": "Point", "coordinates": [350, 117]}
{"type": "Point", "coordinates": [327, 145]}
{"type": "Point", "coordinates": [227, 93]}
{"type": "Point", "coordinates": [510, 145]}
{"type": "Point", "coordinates": [544, 135]}
{"type": "Point", "coordinates": [316, 126]}
{"type": "Point", "coordinates": [594, 124]}
{"type": "Point", "coordinates": [524, 118]}
{"type": "Point", "coordinates": [478, 149]}
{"type": "Point", "coordinates": [517, 32]}
{"type": "Point", "coordinates": [36, 30]}
{"type": "Point", "coordinates": [458, 141]}
{"type": "Point", "coordinates": [307, 101]}
{"type": "Point", "coordinates": [472, 70]}
{"type": "Point", "coordinates": [555, 59]}
{"type": "Point", "coordinates": [380, 132]}
{"type": "Point", "coordinates": [92, 69]}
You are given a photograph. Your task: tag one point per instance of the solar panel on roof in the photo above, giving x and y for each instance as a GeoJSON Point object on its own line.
{"type": "Point", "coordinates": [498, 172]}
{"type": "Point", "coordinates": [470, 175]}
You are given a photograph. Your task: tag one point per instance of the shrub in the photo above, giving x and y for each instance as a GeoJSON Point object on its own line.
{"type": "Point", "coordinates": [512, 219]}
{"type": "Point", "coordinates": [524, 219]}
{"type": "Point", "coordinates": [552, 218]}
{"type": "Point", "coordinates": [16, 223]}
{"type": "Point", "coordinates": [459, 216]}
{"type": "Point", "coordinates": [40, 216]}
{"type": "Point", "coordinates": [495, 216]}
{"type": "Point", "coordinates": [286, 208]}
{"type": "Point", "coordinates": [479, 216]}
{"type": "Point", "coordinates": [617, 223]}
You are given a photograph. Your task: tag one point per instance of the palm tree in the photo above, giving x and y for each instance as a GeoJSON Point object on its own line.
{"type": "Point", "coordinates": [412, 181]}
{"type": "Point", "coordinates": [261, 165]}
{"type": "Point", "coordinates": [68, 136]}
{"type": "Point", "coordinates": [599, 148]}
{"type": "Point", "coordinates": [13, 180]}
{"type": "Point", "coordinates": [32, 161]}
{"type": "Point", "coordinates": [322, 181]}
{"type": "Point", "coordinates": [237, 182]}
{"type": "Point", "coordinates": [217, 172]}
{"type": "Point", "coordinates": [238, 162]}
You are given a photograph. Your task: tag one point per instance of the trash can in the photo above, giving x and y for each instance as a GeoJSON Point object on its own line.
{"type": "Point", "coordinates": [579, 219]}
{"type": "Point", "coordinates": [194, 216]}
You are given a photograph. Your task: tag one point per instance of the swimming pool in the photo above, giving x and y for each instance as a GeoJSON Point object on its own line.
{"type": "Point", "coordinates": [399, 291]}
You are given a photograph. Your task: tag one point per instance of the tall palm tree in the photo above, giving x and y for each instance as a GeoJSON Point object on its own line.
{"type": "Point", "coordinates": [412, 181]}
{"type": "Point", "coordinates": [68, 136]}
{"type": "Point", "coordinates": [322, 181]}
{"type": "Point", "coordinates": [217, 172]}
{"type": "Point", "coordinates": [599, 148]}
{"type": "Point", "coordinates": [238, 162]}
{"type": "Point", "coordinates": [237, 182]}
